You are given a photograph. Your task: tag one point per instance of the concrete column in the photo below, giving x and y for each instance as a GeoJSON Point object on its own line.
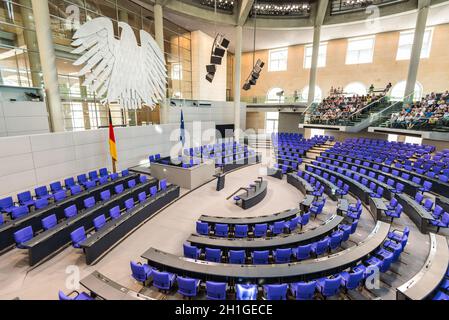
{"type": "Point", "coordinates": [159, 35]}
{"type": "Point", "coordinates": [48, 61]}
{"type": "Point", "coordinates": [314, 64]}
{"type": "Point", "coordinates": [423, 10]}
{"type": "Point", "coordinates": [30, 40]}
{"type": "Point", "coordinates": [237, 75]}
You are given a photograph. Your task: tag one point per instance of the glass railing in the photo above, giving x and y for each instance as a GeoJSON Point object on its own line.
{"type": "Point", "coordinates": [284, 100]}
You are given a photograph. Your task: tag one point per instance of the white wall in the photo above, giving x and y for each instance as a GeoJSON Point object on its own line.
{"type": "Point", "coordinates": [220, 112]}
{"type": "Point", "coordinates": [201, 88]}
{"type": "Point", "coordinates": [32, 160]}
{"type": "Point", "coordinates": [23, 117]}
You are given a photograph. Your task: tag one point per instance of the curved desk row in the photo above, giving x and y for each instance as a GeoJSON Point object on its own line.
{"type": "Point", "coordinates": [114, 230]}
{"type": "Point", "coordinates": [34, 218]}
{"type": "Point", "coordinates": [287, 272]}
{"type": "Point", "coordinates": [423, 284]}
{"type": "Point", "coordinates": [299, 183]}
{"type": "Point", "coordinates": [254, 195]}
{"type": "Point", "coordinates": [410, 187]}
{"type": "Point", "coordinates": [104, 288]}
{"type": "Point", "coordinates": [443, 202]}
{"type": "Point", "coordinates": [359, 190]}
{"type": "Point", "coordinates": [48, 242]}
{"type": "Point", "coordinates": [387, 194]}
{"type": "Point", "coordinates": [416, 212]}
{"type": "Point", "coordinates": [284, 215]}
{"type": "Point", "coordinates": [329, 188]}
{"type": "Point", "coordinates": [438, 186]}
{"type": "Point", "coordinates": [242, 162]}
{"type": "Point", "coordinates": [280, 241]}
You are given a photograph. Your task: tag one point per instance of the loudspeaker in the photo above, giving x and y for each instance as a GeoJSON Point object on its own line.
{"type": "Point", "coordinates": [215, 60]}
{"type": "Point", "coordinates": [211, 68]}
{"type": "Point", "coordinates": [225, 43]}
{"type": "Point", "coordinates": [219, 52]}
{"type": "Point", "coordinates": [246, 86]}
{"type": "Point", "coordinates": [252, 81]}
{"type": "Point", "coordinates": [210, 77]}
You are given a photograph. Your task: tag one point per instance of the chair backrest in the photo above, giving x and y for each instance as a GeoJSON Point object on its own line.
{"type": "Point", "coordinates": [428, 204]}
{"type": "Point", "coordinates": [143, 179]}
{"type": "Point", "coordinates": [202, 228]}
{"type": "Point", "coordinates": [24, 196]}
{"type": "Point", "coordinates": [276, 291]}
{"type": "Point", "coordinates": [105, 195]}
{"type": "Point", "coordinates": [322, 246]}
{"type": "Point", "coordinates": [19, 212]}
{"type": "Point", "coordinates": [125, 173]}
{"type": "Point", "coordinates": [23, 235]}
{"type": "Point", "coordinates": [114, 212]}
{"type": "Point", "coordinates": [6, 203]}
{"type": "Point", "coordinates": [1, 219]}
{"type": "Point", "coordinates": [331, 286]}
{"type": "Point", "coordinates": [241, 230]}
{"type": "Point", "coordinates": [221, 229]}
{"type": "Point", "coordinates": [75, 189]}
{"type": "Point", "coordinates": [419, 197]}
{"type": "Point", "coordinates": [394, 202]}
{"type": "Point", "coordinates": [427, 185]}
{"type": "Point", "coordinates": [55, 186]}
{"type": "Point", "coordinates": [70, 211]}
{"type": "Point", "coordinates": [69, 182]}
{"type": "Point", "coordinates": [260, 257]}
{"type": "Point", "coordinates": [237, 256]}
{"type": "Point", "coordinates": [303, 252]}
{"type": "Point", "coordinates": [246, 292]}
{"type": "Point", "coordinates": [129, 204]}
{"type": "Point", "coordinates": [93, 175]}
{"type": "Point", "coordinates": [78, 235]}
{"type": "Point", "coordinates": [437, 211]}
{"type": "Point", "coordinates": [153, 191]}
{"type": "Point", "coordinates": [216, 290]}
{"type": "Point", "coordinates": [187, 285]}
{"type": "Point", "coordinates": [131, 183]}
{"type": "Point", "coordinates": [49, 222]}
{"type": "Point", "coordinates": [213, 255]}
{"type": "Point", "coordinates": [99, 222]}
{"type": "Point", "coordinates": [190, 251]}
{"type": "Point", "coordinates": [142, 196]}
{"type": "Point", "coordinates": [103, 172]}
{"type": "Point", "coordinates": [82, 178]}
{"type": "Point", "coordinates": [305, 290]}
{"type": "Point", "coordinates": [114, 176]}
{"type": "Point", "coordinates": [41, 203]}
{"type": "Point", "coordinates": [283, 255]}
{"type": "Point", "coordinates": [138, 271]}
{"type": "Point", "coordinates": [119, 188]}
{"type": "Point", "coordinates": [163, 184]}
{"type": "Point", "coordinates": [90, 184]}
{"type": "Point", "coordinates": [89, 202]}
{"type": "Point", "coordinates": [260, 230]}
{"type": "Point", "coordinates": [305, 218]}
{"type": "Point", "coordinates": [278, 227]}
{"type": "Point", "coordinates": [103, 180]}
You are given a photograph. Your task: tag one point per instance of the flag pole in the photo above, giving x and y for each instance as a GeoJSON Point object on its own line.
{"type": "Point", "coordinates": [112, 145]}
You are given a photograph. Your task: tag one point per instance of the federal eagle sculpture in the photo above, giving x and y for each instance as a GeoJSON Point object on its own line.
{"type": "Point", "coordinates": [120, 70]}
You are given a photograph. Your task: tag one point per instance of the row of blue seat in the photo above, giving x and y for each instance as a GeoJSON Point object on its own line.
{"type": "Point", "coordinates": [351, 279]}
{"type": "Point", "coordinates": [281, 255]}
{"type": "Point", "coordinates": [441, 218]}
{"type": "Point", "coordinates": [57, 192]}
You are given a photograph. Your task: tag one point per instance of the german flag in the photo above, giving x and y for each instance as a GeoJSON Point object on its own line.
{"type": "Point", "coordinates": [112, 145]}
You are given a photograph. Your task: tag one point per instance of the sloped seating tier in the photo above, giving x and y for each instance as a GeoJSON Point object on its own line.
{"type": "Point", "coordinates": [50, 241]}
{"type": "Point", "coordinates": [410, 187]}
{"type": "Point", "coordinates": [264, 274]}
{"type": "Point", "coordinates": [114, 230]}
{"type": "Point", "coordinates": [387, 190]}
{"type": "Point", "coordinates": [102, 287]}
{"type": "Point", "coordinates": [424, 284]}
{"type": "Point", "coordinates": [416, 212]}
{"type": "Point", "coordinates": [34, 218]}
{"type": "Point", "coordinates": [300, 183]}
{"type": "Point", "coordinates": [269, 243]}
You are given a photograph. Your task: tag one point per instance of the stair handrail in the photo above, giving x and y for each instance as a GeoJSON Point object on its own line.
{"type": "Point", "coordinates": [357, 112]}
{"type": "Point", "coordinates": [376, 116]}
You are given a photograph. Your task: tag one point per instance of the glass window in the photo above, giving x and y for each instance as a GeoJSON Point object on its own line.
{"type": "Point", "coordinates": [176, 71]}
{"type": "Point", "coordinates": [275, 95]}
{"type": "Point", "coordinates": [277, 60]}
{"type": "Point", "coordinates": [318, 94]}
{"type": "Point", "coordinates": [272, 122]}
{"type": "Point", "coordinates": [321, 56]}
{"type": "Point", "coordinates": [398, 91]}
{"type": "Point", "coordinates": [406, 43]}
{"type": "Point", "coordinates": [360, 50]}
{"type": "Point", "coordinates": [355, 88]}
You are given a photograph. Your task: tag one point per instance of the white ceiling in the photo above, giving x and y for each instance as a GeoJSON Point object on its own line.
{"type": "Point", "coordinates": [268, 39]}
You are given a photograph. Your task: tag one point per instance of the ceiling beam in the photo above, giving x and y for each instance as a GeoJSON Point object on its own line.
{"type": "Point", "coordinates": [162, 2]}
{"type": "Point", "coordinates": [243, 11]}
